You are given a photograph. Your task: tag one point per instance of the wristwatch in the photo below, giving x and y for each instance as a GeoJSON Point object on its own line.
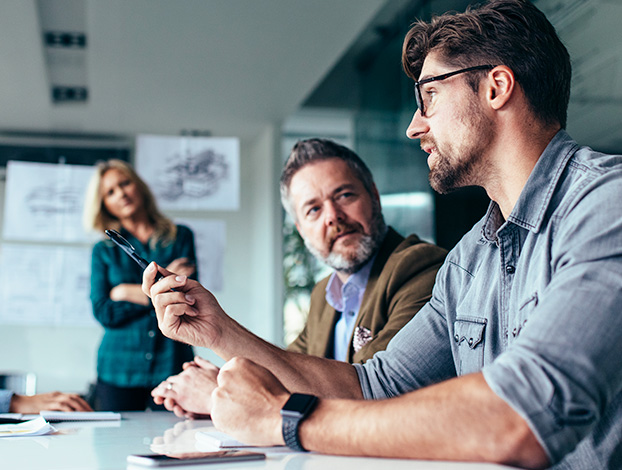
{"type": "Point", "coordinates": [297, 408]}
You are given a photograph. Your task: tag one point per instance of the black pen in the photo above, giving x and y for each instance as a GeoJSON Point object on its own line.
{"type": "Point", "coordinates": [126, 246]}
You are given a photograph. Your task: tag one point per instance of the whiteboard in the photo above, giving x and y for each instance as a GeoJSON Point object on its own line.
{"type": "Point", "coordinates": [209, 240]}
{"type": "Point", "coordinates": [45, 202]}
{"type": "Point", "coordinates": [45, 285]}
{"type": "Point", "coordinates": [191, 173]}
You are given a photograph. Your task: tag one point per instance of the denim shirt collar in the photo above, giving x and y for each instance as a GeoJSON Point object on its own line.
{"type": "Point", "coordinates": [536, 196]}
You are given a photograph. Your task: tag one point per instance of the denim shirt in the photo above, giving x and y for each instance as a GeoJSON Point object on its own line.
{"type": "Point", "coordinates": [535, 304]}
{"type": "Point", "coordinates": [5, 400]}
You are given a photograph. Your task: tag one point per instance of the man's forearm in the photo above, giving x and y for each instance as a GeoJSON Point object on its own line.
{"type": "Point", "coordinates": [298, 372]}
{"type": "Point", "coordinates": [461, 419]}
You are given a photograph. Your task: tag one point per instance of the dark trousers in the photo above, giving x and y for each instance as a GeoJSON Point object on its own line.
{"type": "Point", "coordinates": [112, 398]}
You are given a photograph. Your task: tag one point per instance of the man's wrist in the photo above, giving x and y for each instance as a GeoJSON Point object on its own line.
{"type": "Point", "coordinates": [297, 408]}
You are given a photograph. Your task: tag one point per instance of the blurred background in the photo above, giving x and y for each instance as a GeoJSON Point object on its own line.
{"type": "Point", "coordinates": [81, 79]}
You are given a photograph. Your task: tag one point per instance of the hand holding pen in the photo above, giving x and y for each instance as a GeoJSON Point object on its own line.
{"type": "Point", "coordinates": [186, 310]}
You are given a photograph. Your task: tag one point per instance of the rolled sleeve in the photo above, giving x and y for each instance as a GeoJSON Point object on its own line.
{"type": "Point", "coordinates": [564, 372]}
{"type": "Point", "coordinates": [5, 400]}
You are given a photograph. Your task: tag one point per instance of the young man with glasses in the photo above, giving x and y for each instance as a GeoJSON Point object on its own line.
{"type": "Point", "coordinates": [516, 358]}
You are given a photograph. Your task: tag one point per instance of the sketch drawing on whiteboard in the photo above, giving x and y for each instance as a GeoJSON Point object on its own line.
{"type": "Point", "coordinates": [51, 200]}
{"type": "Point", "coordinates": [191, 173]}
{"type": "Point", "coordinates": [195, 175]}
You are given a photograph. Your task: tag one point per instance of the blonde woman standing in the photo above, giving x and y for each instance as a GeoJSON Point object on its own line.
{"type": "Point", "coordinates": [133, 356]}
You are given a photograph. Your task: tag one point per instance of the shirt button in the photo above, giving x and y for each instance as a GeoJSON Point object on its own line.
{"type": "Point", "coordinates": [351, 313]}
{"type": "Point", "coordinates": [151, 333]}
{"type": "Point", "coordinates": [457, 337]}
{"type": "Point", "coordinates": [470, 341]}
{"type": "Point", "coordinates": [148, 356]}
{"type": "Point", "coordinates": [510, 269]}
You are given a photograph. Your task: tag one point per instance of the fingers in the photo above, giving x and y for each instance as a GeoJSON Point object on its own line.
{"type": "Point", "coordinates": [149, 277]}
{"type": "Point", "coordinates": [179, 411]}
{"type": "Point", "coordinates": [171, 305]}
{"type": "Point", "coordinates": [79, 404]}
{"type": "Point", "coordinates": [68, 402]}
{"type": "Point", "coordinates": [204, 364]}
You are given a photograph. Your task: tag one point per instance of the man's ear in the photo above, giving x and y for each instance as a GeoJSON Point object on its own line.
{"type": "Point", "coordinates": [500, 86]}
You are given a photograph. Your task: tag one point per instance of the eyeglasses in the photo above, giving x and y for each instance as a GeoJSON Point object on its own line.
{"type": "Point", "coordinates": [421, 103]}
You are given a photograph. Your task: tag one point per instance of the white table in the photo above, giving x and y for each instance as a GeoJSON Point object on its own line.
{"type": "Point", "coordinates": [105, 445]}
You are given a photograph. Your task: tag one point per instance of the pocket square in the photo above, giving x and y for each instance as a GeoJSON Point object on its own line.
{"type": "Point", "coordinates": [362, 336]}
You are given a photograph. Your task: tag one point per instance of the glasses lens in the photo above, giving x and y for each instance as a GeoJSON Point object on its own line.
{"type": "Point", "coordinates": [419, 99]}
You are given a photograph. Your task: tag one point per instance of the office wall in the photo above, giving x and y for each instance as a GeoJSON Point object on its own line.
{"type": "Point", "coordinates": [65, 358]}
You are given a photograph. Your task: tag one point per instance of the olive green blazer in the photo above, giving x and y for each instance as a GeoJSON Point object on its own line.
{"type": "Point", "coordinates": [400, 283]}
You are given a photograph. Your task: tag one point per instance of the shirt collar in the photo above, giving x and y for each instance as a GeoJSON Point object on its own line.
{"type": "Point", "coordinates": [358, 280]}
{"type": "Point", "coordinates": [540, 187]}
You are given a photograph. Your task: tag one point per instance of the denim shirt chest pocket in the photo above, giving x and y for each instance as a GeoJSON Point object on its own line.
{"type": "Point", "coordinates": [469, 342]}
{"type": "Point", "coordinates": [520, 319]}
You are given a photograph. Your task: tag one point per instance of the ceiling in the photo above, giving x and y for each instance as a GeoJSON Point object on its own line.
{"type": "Point", "coordinates": [219, 67]}
{"type": "Point", "coordinates": [233, 67]}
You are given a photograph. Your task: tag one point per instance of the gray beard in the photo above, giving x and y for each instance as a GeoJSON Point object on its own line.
{"type": "Point", "coordinates": [368, 246]}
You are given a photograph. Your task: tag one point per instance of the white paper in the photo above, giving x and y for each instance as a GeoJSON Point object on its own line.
{"type": "Point", "coordinates": [191, 173]}
{"type": "Point", "coordinates": [209, 243]}
{"type": "Point", "coordinates": [218, 439]}
{"type": "Point", "coordinates": [209, 441]}
{"type": "Point", "coordinates": [80, 415]}
{"type": "Point", "coordinates": [44, 202]}
{"type": "Point", "coordinates": [35, 427]}
{"type": "Point", "coordinates": [45, 285]}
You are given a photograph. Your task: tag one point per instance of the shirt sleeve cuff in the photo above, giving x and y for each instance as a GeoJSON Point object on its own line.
{"type": "Point", "coordinates": [364, 382]}
{"type": "Point", "coordinates": [5, 400]}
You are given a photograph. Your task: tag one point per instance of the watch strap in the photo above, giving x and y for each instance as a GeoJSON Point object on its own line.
{"type": "Point", "coordinates": [290, 434]}
{"type": "Point", "coordinates": [293, 415]}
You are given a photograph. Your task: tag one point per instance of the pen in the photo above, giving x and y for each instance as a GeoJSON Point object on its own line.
{"type": "Point", "coordinates": [126, 246]}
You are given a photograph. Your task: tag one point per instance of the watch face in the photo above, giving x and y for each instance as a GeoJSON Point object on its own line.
{"type": "Point", "coordinates": [298, 404]}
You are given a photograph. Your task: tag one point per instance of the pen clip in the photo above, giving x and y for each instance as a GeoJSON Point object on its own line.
{"type": "Point", "coordinates": [126, 246]}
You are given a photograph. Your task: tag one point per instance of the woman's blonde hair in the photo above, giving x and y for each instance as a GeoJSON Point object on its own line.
{"type": "Point", "coordinates": [96, 216]}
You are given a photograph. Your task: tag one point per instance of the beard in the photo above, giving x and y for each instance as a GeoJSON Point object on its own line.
{"type": "Point", "coordinates": [367, 246]}
{"type": "Point", "coordinates": [460, 166]}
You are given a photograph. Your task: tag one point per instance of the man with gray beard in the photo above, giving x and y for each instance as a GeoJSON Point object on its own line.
{"type": "Point", "coordinates": [380, 279]}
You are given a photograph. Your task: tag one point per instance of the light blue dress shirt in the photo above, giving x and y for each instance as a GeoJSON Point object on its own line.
{"type": "Point", "coordinates": [5, 400]}
{"type": "Point", "coordinates": [535, 303]}
{"type": "Point", "coordinates": [346, 298]}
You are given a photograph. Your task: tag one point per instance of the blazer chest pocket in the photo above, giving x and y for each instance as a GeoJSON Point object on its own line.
{"type": "Point", "coordinates": [469, 342]}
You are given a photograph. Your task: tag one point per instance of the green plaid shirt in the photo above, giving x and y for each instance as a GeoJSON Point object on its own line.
{"type": "Point", "coordinates": [133, 352]}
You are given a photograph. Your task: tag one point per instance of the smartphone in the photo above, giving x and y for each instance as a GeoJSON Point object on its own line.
{"type": "Point", "coordinates": [193, 458]}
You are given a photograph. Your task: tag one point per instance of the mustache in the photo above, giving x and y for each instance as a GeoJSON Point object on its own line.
{"type": "Point", "coordinates": [339, 229]}
{"type": "Point", "coordinates": [426, 141]}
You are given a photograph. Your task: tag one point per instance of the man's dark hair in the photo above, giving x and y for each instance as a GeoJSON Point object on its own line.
{"type": "Point", "coordinates": [311, 150]}
{"type": "Point", "coordinates": [502, 32]}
